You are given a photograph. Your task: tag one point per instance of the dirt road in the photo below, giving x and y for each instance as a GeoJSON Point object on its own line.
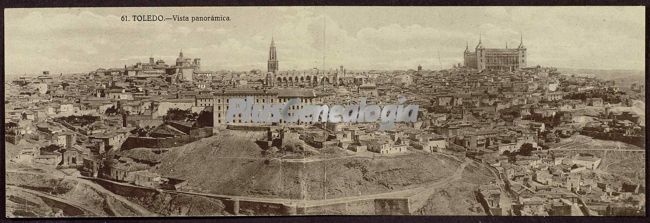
{"type": "Point", "coordinates": [133, 206]}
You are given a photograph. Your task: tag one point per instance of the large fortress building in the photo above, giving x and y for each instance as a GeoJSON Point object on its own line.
{"type": "Point", "coordinates": [495, 59]}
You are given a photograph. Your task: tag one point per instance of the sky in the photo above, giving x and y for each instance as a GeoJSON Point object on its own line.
{"type": "Point", "coordinates": [66, 40]}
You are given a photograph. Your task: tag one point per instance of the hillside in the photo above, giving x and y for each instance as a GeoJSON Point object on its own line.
{"type": "Point", "coordinates": [459, 199]}
{"type": "Point", "coordinates": [233, 164]}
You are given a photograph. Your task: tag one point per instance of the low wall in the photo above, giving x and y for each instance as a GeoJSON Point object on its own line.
{"type": "Point", "coordinates": [261, 208]}
{"type": "Point", "coordinates": [168, 203]}
{"type": "Point", "coordinates": [150, 142]}
{"type": "Point", "coordinates": [364, 207]}
{"type": "Point", "coordinates": [143, 120]}
{"type": "Point", "coordinates": [248, 127]}
{"type": "Point", "coordinates": [201, 132]}
{"type": "Point", "coordinates": [171, 203]}
{"type": "Point", "coordinates": [389, 206]}
{"type": "Point", "coordinates": [634, 140]}
{"type": "Point", "coordinates": [331, 209]}
{"type": "Point", "coordinates": [397, 206]}
{"type": "Point", "coordinates": [13, 139]}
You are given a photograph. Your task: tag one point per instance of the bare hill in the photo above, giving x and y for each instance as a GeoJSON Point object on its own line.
{"type": "Point", "coordinates": [233, 164]}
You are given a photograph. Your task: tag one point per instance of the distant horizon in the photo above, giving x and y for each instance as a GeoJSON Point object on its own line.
{"type": "Point", "coordinates": [559, 68]}
{"type": "Point", "coordinates": [79, 40]}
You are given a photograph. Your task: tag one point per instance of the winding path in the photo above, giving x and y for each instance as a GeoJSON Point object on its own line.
{"type": "Point", "coordinates": [101, 190]}
{"type": "Point", "coordinates": [310, 203]}
{"type": "Point", "coordinates": [76, 205]}
{"type": "Point", "coordinates": [426, 188]}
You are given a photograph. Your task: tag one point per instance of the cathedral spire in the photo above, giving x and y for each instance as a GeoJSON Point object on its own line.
{"type": "Point", "coordinates": [272, 53]}
{"type": "Point", "coordinates": [273, 59]}
{"type": "Point", "coordinates": [521, 41]}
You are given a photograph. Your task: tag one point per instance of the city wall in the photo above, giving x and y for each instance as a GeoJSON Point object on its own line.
{"type": "Point", "coordinates": [247, 127]}
{"type": "Point", "coordinates": [143, 120]}
{"type": "Point", "coordinates": [151, 142]}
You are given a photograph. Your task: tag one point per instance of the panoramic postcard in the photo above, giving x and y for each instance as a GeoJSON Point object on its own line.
{"type": "Point", "coordinates": [249, 111]}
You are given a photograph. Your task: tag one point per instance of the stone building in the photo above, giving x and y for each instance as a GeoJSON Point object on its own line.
{"type": "Point", "coordinates": [185, 67]}
{"type": "Point", "coordinates": [221, 100]}
{"type": "Point", "coordinates": [307, 78]}
{"type": "Point", "coordinates": [494, 58]}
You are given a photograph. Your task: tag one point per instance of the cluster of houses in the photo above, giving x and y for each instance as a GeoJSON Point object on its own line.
{"type": "Point", "coordinates": [461, 110]}
{"type": "Point", "coordinates": [557, 183]}
{"type": "Point", "coordinates": [359, 138]}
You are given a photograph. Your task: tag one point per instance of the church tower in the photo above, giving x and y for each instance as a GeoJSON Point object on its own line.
{"type": "Point", "coordinates": [522, 52]}
{"type": "Point", "coordinates": [273, 59]}
{"type": "Point", "coordinates": [269, 79]}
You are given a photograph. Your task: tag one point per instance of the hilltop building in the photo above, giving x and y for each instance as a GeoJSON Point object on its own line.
{"type": "Point", "coordinates": [495, 59]}
{"type": "Point", "coordinates": [185, 67]}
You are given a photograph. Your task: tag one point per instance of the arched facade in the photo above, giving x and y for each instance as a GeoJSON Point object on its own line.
{"type": "Point", "coordinates": [295, 78]}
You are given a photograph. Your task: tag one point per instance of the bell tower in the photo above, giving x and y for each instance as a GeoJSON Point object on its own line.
{"type": "Point", "coordinates": [273, 59]}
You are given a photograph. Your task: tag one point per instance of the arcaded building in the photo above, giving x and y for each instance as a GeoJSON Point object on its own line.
{"type": "Point", "coordinates": [306, 78]}
{"type": "Point", "coordinates": [508, 59]}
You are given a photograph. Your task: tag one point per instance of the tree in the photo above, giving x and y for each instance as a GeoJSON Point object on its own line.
{"type": "Point", "coordinates": [176, 114]}
{"type": "Point", "coordinates": [193, 116]}
{"type": "Point", "coordinates": [512, 158]}
{"type": "Point", "coordinates": [141, 132]}
{"type": "Point", "coordinates": [526, 149]}
{"type": "Point", "coordinates": [544, 147]}
{"type": "Point", "coordinates": [111, 111]}
{"type": "Point", "coordinates": [10, 128]}
{"type": "Point", "coordinates": [11, 125]}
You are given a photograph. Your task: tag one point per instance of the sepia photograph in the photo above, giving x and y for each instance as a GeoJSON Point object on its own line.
{"type": "Point", "coordinates": [324, 110]}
